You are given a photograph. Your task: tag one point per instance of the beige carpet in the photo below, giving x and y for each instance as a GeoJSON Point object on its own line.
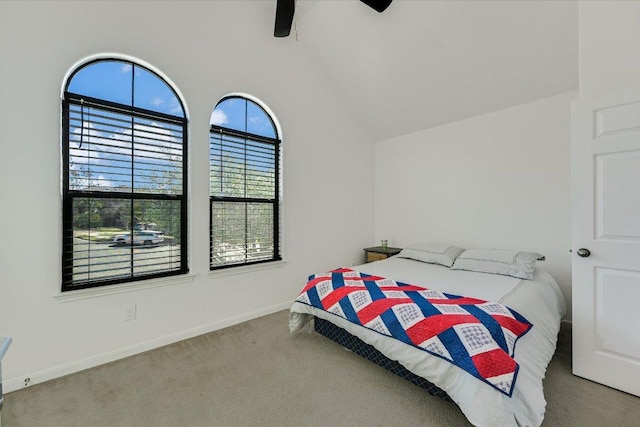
{"type": "Point", "coordinates": [257, 374]}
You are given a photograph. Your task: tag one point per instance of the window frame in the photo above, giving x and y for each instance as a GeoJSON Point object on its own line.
{"type": "Point", "coordinates": [133, 112]}
{"type": "Point", "coordinates": [276, 202]}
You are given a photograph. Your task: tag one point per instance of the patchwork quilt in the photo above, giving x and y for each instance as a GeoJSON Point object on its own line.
{"type": "Point", "coordinates": [475, 335]}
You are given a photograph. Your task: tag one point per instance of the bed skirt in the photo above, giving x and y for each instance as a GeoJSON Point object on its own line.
{"type": "Point", "coordinates": [355, 344]}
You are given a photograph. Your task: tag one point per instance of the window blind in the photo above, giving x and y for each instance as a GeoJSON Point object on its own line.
{"type": "Point", "coordinates": [244, 198]}
{"type": "Point", "coordinates": [124, 195]}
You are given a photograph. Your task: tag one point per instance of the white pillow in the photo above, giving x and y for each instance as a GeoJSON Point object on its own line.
{"type": "Point", "coordinates": [518, 264]}
{"type": "Point", "coordinates": [433, 254]}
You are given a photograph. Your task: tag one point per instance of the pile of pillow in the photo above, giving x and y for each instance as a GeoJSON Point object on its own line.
{"type": "Point", "coordinates": [520, 264]}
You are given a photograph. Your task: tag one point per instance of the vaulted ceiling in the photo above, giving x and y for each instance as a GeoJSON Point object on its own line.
{"type": "Point", "coordinates": [425, 63]}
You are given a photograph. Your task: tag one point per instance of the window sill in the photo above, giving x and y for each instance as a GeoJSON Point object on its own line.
{"type": "Point", "coordinates": [246, 269]}
{"type": "Point", "coordinates": [124, 287]}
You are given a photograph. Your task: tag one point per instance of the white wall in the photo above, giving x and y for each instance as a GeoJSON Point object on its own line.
{"type": "Point", "coordinates": [208, 49]}
{"type": "Point", "coordinates": [609, 40]}
{"type": "Point", "coordinates": [500, 180]}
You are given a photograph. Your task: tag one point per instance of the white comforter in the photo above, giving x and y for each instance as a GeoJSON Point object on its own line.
{"type": "Point", "coordinates": [539, 300]}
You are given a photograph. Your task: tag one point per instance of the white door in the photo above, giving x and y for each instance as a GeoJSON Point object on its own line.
{"type": "Point", "coordinates": [605, 151]}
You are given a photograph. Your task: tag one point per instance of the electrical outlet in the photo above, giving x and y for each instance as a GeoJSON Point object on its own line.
{"type": "Point", "coordinates": [130, 313]}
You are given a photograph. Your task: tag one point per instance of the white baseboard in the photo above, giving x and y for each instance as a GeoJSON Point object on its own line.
{"type": "Point", "coordinates": [13, 384]}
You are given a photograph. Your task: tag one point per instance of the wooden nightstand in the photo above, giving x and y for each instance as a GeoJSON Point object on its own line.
{"type": "Point", "coordinates": [378, 252]}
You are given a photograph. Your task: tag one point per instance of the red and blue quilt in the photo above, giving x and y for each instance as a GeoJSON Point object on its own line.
{"type": "Point", "coordinates": [475, 335]}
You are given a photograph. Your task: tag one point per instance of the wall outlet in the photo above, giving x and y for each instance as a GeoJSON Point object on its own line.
{"type": "Point", "coordinates": [130, 313]}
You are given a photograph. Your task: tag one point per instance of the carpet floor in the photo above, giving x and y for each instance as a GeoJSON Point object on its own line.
{"type": "Point", "coordinates": [257, 374]}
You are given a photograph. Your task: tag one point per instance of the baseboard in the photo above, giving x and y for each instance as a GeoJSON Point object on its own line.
{"type": "Point", "coordinates": [13, 384]}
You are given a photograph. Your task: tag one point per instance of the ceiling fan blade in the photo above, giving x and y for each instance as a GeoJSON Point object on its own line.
{"type": "Point", "coordinates": [379, 5]}
{"type": "Point", "coordinates": [284, 17]}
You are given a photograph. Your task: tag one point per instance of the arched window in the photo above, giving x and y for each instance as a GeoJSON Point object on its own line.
{"type": "Point", "coordinates": [124, 148]}
{"type": "Point", "coordinates": [244, 184]}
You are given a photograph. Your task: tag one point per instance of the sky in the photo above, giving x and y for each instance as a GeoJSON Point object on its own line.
{"type": "Point", "coordinates": [112, 81]}
{"type": "Point", "coordinates": [244, 115]}
{"type": "Point", "coordinates": [104, 147]}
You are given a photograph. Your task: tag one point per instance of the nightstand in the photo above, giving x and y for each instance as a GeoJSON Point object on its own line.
{"type": "Point", "coordinates": [378, 252]}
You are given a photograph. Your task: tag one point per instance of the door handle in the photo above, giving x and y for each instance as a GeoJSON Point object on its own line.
{"type": "Point", "coordinates": [583, 252]}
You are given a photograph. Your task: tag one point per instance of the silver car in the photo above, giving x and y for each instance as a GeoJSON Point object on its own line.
{"type": "Point", "coordinates": [144, 237]}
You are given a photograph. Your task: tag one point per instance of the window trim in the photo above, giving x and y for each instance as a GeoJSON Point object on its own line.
{"type": "Point", "coordinates": [68, 195]}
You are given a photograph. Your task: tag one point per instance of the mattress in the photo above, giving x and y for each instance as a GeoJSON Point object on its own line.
{"type": "Point", "coordinates": [355, 344]}
{"type": "Point", "coordinates": [539, 300]}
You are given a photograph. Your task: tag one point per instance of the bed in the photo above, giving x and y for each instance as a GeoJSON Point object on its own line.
{"type": "Point", "coordinates": [537, 299]}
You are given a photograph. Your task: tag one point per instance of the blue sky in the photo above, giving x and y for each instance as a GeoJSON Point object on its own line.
{"type": "Point", "coordinates": [244, 115]}
{"type": "Point", "coordinates": [104, 148]}
{"type": "Point", "coordinates": [112, 81]}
